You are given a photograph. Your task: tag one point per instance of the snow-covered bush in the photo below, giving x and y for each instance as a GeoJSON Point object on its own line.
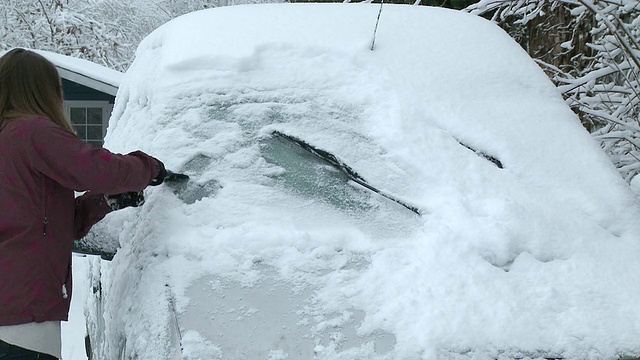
{"type": "Point", "coordinates": [74, 28]}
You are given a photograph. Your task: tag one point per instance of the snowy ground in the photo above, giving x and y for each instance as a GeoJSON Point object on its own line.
{"type": "Point", "coordinates": [74, 330]}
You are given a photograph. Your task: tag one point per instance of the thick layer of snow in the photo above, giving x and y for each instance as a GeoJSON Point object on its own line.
{"type": "Point", "coordinates": [536, 259]}
{"type": "Point", "coordinates": [635, 185]}
{"type": "Point", "coordinates": [84, 67]}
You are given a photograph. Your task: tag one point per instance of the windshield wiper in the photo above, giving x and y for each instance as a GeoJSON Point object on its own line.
{"type": "Point", "coordinates": [483, 155]}
{"type": "Point", "coordinates": [344, 168]}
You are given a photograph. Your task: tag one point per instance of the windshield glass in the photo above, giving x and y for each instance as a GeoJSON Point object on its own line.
{"type": "Point", "coordinates": [311, 176]}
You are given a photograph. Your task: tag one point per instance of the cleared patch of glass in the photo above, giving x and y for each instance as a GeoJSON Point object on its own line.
{"type": "Point", "coordinates": [310, 176]}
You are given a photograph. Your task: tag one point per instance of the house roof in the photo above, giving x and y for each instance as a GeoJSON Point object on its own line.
{"type": "Point", "coordinates": [84, 72]}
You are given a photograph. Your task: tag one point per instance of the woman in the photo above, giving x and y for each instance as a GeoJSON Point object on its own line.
{"type": "Point", "coordinates": [42, 163]}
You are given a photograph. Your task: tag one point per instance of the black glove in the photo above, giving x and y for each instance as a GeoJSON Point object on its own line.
{"type": "Point", "coordinates": [161, 175]}
{"type": "Point", "coordinates": [121, 201]}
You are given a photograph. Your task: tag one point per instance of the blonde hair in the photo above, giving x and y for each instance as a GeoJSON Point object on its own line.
{"type": "Point", "coordinates": [30, 85]}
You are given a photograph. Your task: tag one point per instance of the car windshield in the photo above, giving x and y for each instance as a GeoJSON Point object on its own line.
{"type": "Point", "coordinates": [320, 174]}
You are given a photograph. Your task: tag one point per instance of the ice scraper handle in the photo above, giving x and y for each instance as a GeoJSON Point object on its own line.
{"type": "Point", "coordinates": [165, 175]}
{"type": "Point", "coordinates": [175, 177]}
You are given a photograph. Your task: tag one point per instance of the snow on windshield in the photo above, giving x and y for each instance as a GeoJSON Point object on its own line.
{"type": "Point", "coordinates": [537, 258]}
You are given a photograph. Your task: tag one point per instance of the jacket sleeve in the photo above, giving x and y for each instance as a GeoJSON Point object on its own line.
{"type": "Point", "coordinates": [79, 166]}
{"type": "Point", "coordinates": [90, 208]}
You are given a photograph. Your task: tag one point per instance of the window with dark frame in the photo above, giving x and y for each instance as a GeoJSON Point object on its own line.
{"type": "Point", "coordinates": [87, 122]}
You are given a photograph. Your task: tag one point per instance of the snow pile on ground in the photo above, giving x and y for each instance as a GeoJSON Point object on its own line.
{"type": "Point", "coordinates": [74, 330]}
{"type": "Point", "coordinates": [536, 259]}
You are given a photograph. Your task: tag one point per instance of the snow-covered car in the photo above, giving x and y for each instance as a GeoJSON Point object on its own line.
{"type": "Point", "coordinates": [422, 194]}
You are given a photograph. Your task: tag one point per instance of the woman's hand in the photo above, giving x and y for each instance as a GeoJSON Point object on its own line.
{"type": "Point", "coordinates": [159, 179]}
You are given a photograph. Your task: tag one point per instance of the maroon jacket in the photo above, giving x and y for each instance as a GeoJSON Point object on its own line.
{"type": "Point", "coordinates": [40, 167]}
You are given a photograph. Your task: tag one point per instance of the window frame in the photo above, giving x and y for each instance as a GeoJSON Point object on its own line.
{"type": "Point", "coordinates": [106, 107]}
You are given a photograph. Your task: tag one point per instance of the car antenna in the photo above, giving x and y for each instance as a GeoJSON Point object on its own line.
{"type": "Point", "coordinates": [373, 41]}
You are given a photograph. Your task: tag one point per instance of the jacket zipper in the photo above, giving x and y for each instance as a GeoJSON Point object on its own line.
{"type": "Point", "coordinates": [45, 221]}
